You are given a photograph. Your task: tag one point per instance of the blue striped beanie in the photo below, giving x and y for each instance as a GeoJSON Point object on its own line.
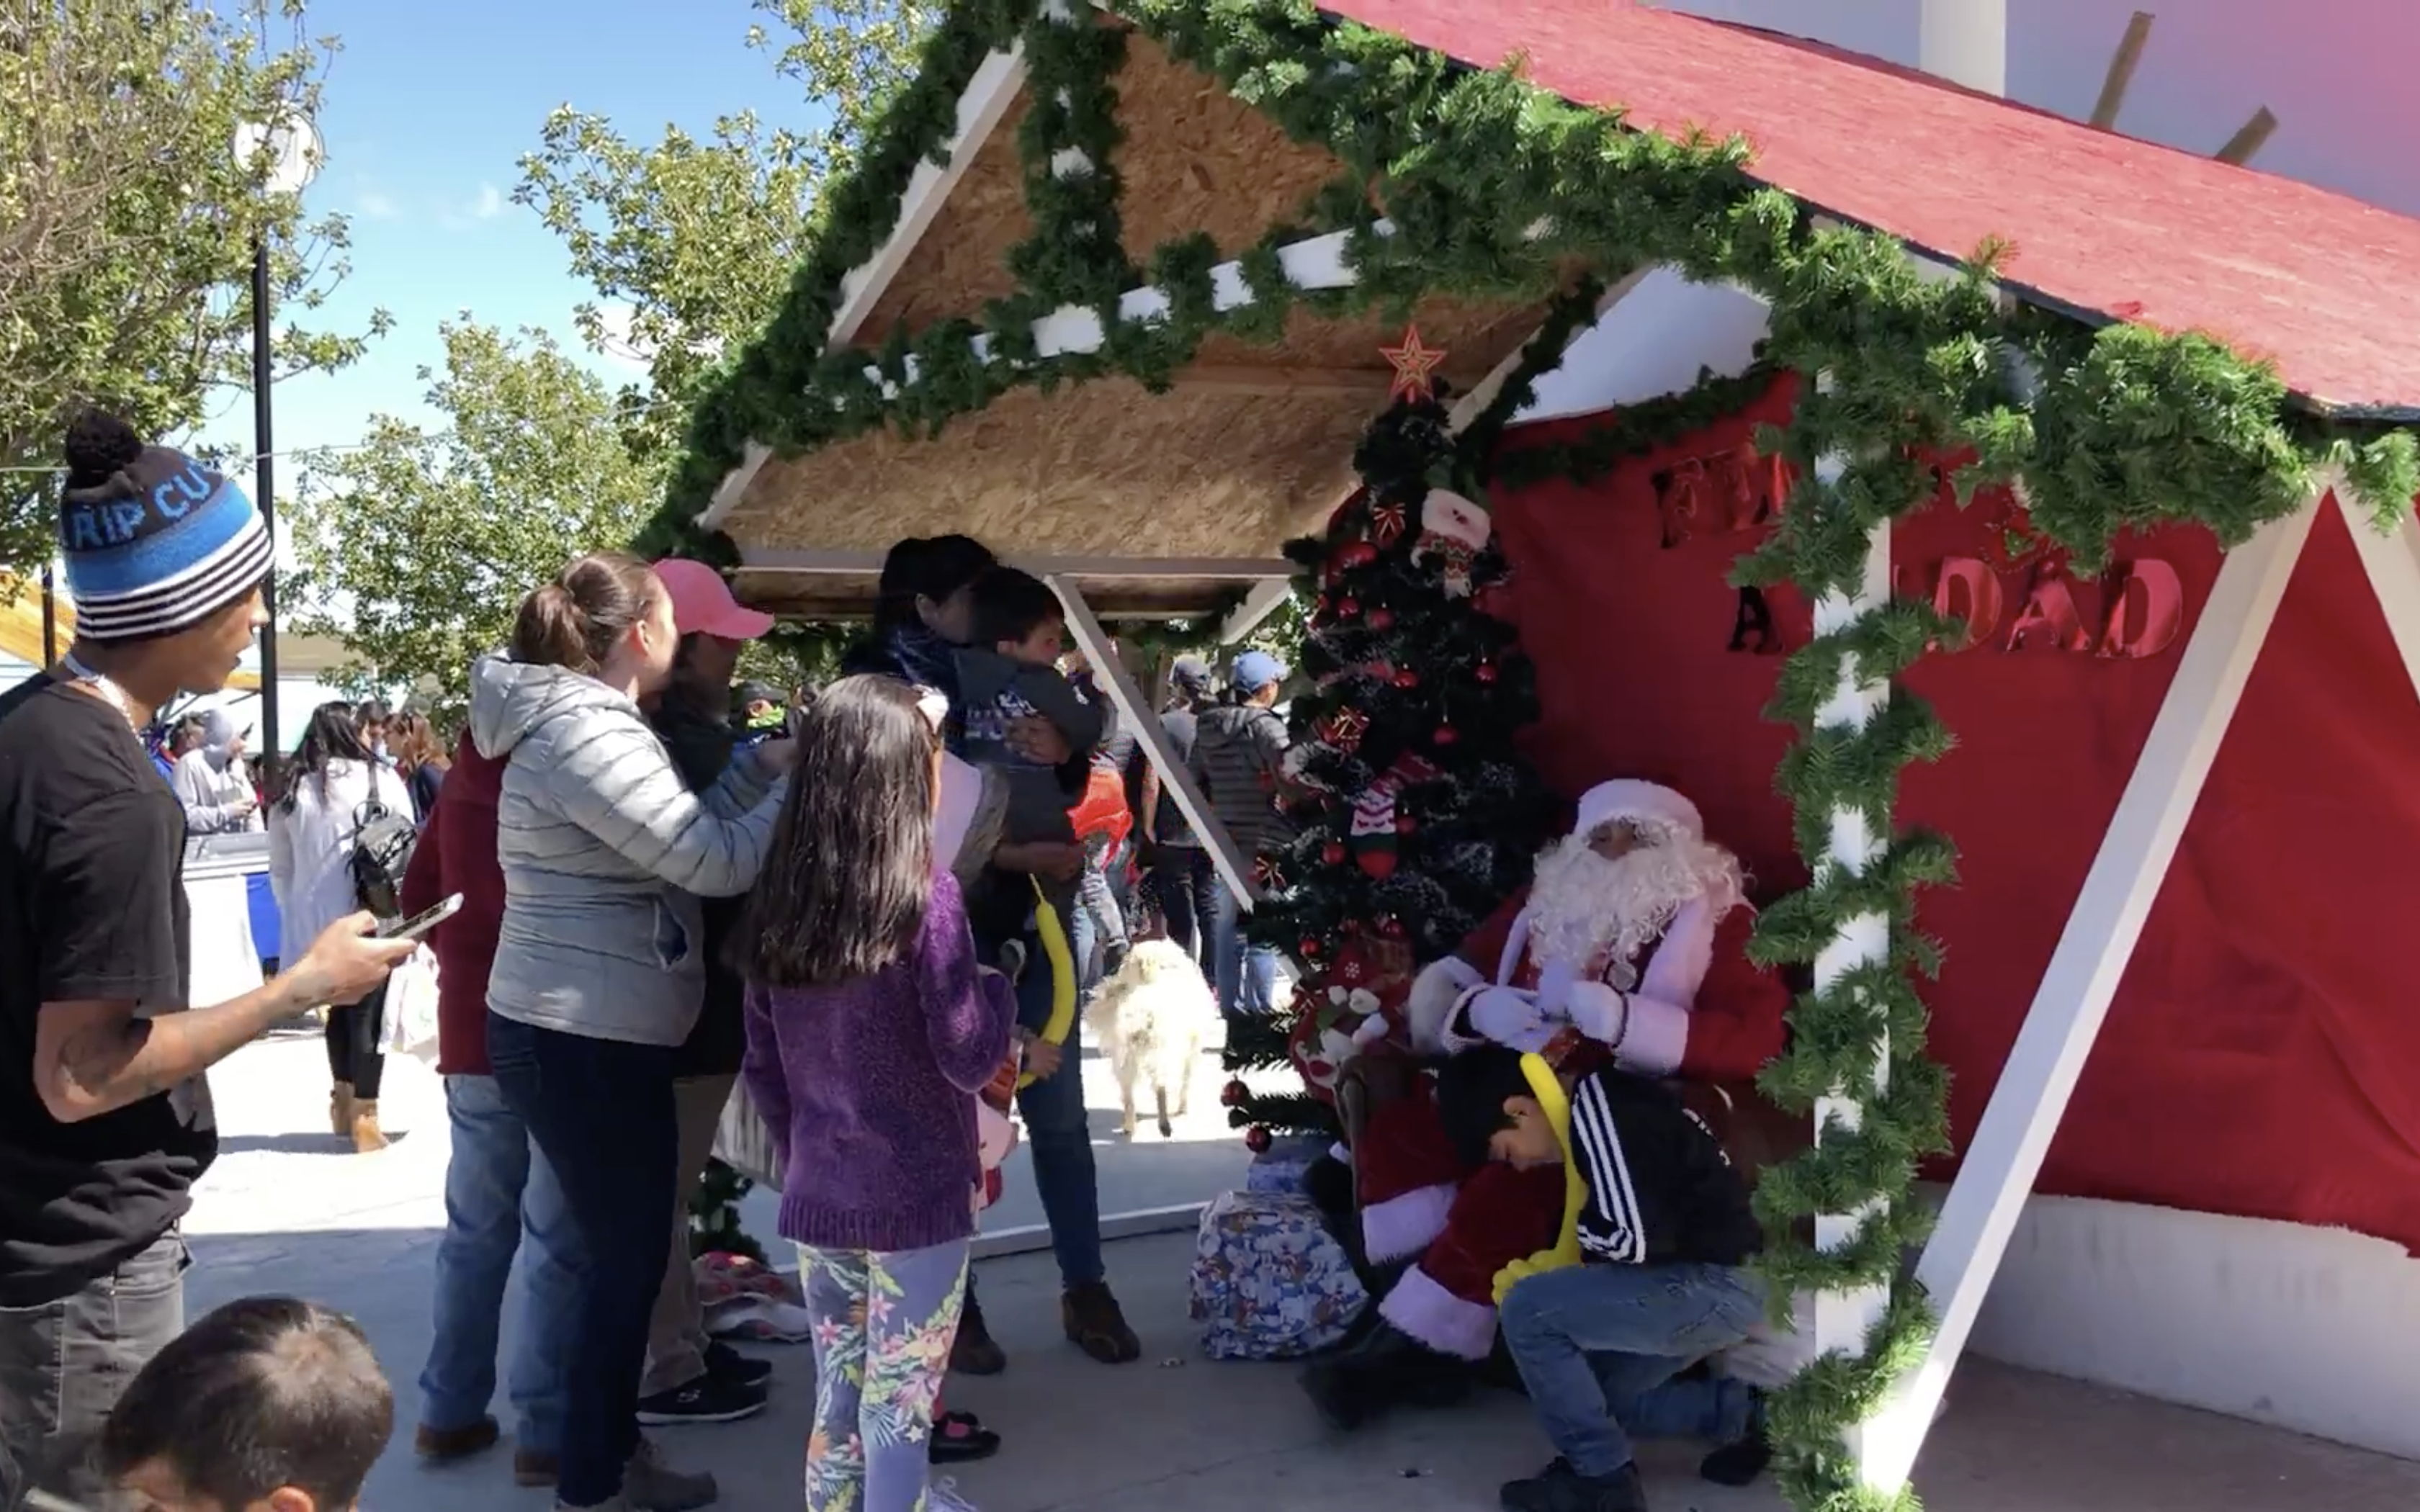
{"type": "Point", "coordinates": [155, 542]}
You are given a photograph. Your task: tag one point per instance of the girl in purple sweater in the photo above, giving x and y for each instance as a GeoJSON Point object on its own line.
{"type": "Point", "coordinates": [870, 1029]}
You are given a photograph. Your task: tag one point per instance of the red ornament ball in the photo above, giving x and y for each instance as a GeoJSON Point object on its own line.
{"type": "Point", "coordinates": [1446, 735]}
{"type": "Point", "coordinates": [1485, 673]}
{"type": "Point", "coordinates": [1391, 927]}
{"type": "Point", "coordinates": [1382, 618]}
{"type": "Point", "coordinates": [1233, 1093]}
{"type": "Point", "coordinates": [1332, 853]}
{"type": "Point", "coordinates": [1407, 678]}
{"type": "Point", "coordinates": [1347, 608]}
{"type": "Point", "coordinates": [1357, 554]}
{"type": "Point", "coordinates": [1405, 823]}
{"type": "Point", "coordinates": [1311, 948]}
{"type": "Point", "coordinates": [1257, 1140]}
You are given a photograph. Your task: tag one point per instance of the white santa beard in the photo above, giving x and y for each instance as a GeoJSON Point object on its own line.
{"type": "Point", "coordinates": [1587, 911]}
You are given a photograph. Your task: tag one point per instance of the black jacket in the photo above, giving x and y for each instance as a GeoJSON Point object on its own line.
{"type": "Point", "coordinates": [701, 748]}
{"type": "Point", "coordinates": [1661, 1191]}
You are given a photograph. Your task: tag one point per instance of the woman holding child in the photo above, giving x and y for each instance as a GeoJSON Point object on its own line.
{"type": "Point", "coordinates": [950, 617]}
{"type": "Point", "coordinates": [600, 968]}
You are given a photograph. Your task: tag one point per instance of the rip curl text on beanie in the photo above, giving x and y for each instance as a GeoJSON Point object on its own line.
{"type": "Point", "coordinates": [155, 542]}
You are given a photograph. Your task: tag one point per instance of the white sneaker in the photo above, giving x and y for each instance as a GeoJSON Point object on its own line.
{"type": "Point", "coordinates": [942, 1496]}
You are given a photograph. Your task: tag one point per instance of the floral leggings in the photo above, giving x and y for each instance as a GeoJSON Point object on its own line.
{"type": "Point", "coordinates": [883, 1326]}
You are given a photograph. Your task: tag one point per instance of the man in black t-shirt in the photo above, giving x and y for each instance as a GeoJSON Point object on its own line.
{"type": "Point", "coordinates": [104, 1114]}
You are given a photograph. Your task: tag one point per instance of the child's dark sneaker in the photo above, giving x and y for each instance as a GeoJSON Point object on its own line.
{"type": "Point", "coordinates": [706, 1400]}
{"type": "Point", "coordinates": [960, 1439]}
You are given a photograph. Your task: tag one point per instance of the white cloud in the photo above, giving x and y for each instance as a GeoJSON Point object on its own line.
{"type": "Point", "coordinates": [462, 215]}
{"type": "Point", "coordinates": [372, 205]}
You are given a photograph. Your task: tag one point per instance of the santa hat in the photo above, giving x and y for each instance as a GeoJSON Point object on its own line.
{"type": "Point", "coordinates": [1638, 802]}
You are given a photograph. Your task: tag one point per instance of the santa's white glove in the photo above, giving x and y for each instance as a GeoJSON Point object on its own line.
{"type": "Point", "coordinates": [1598, 1011]}
{"type": "Point", "coordinates": [1435, 993]}
{"type": "Point", "coordinates": [1509, 1017]}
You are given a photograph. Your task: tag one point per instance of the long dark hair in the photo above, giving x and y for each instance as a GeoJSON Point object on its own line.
{"type": "Point", "coordinates": [927, 566]}
{"type": "Point", "coordinates": [334, 735]}
{"type": "Point", "coordinates": [843, 890]}
{"type": "Point", "coordinates": [574, 621]}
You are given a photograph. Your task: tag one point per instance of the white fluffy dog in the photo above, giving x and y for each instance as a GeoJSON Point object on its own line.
{"type": "Point", "coordinates": [1149, 1020]}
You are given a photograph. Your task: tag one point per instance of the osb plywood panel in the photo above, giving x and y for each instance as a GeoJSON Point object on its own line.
{"type": "Point", "coordinates": [961, 260]}
{"type": "Point", "coordinates": [1198, 159]}
{"type": "Point", "coordinates": [1103, 469]}
{"type": "Point", "coordinates": [1194, 158]}
{"type": "Point", "coordinates": [1475, 337]}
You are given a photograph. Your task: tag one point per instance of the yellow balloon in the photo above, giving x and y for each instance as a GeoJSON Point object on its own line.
{"type": "Point", "coordinates": [1557, 1106]}
{"type": "Point", "coordinates": [1062, 975]}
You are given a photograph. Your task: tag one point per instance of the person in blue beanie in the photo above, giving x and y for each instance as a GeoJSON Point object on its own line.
{"type": "Point", "coordinates": [104, 1112]}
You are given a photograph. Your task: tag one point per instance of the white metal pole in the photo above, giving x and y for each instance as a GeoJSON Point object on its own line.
{"type": "Point", "coordinates": [1135, 710]}
{"type": "Point", "coordinates": [1967, 42]}
{"type": "Point", "coordinates": [1843, 1319]}
{"type": "Point", "coordinates": [1999, 1167]}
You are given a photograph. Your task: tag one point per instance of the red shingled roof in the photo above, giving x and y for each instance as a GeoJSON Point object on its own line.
{"type": "Point", "coordinates": [2100, 225]}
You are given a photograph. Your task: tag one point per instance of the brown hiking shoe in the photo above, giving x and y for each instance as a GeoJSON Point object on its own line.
{"type": "Point", "coordinates": [974, 1353]}
{"type": "Point", "coordinates": [440, 1445]}
{"type": "Point", "coordinates": [536, 1467]}
{"type": "Point", "coordinates": [1095, 1325]}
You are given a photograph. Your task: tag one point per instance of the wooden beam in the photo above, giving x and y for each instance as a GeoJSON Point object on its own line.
{"type": "Point", "coordinates": [1175, 779]}
{"type": "Point", "coordinates": [1264, 599]}
{"type": "Point", "coordinates": [2249, 138]}
{"type": "Point", "coordinates": [1280, 382]}
{"type": "Point", "coordinates": [2122, 71]}
{"type": "Point", "coordinates": [1998, 1170]}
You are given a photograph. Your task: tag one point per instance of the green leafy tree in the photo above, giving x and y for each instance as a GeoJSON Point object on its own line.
{"type": "Point", "coordinates": [415, 547]}
{"type": "Point", "coordinates": [127, 224]}
{"type": "Point", "coordinates": [695, 241]}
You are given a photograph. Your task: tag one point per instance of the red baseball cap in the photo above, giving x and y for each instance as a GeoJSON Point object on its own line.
{"type": "Point", "coordinates": [703, 605]}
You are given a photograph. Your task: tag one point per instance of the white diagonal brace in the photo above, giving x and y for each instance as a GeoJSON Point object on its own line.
{"type": "Point", "coordinates": [1140, 718]}
{"type": "Point", "coordinates": [1998, 1170]}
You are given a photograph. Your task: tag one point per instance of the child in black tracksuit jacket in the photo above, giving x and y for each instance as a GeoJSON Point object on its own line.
{"type": "Point", "coordinates": [1664, 1237]}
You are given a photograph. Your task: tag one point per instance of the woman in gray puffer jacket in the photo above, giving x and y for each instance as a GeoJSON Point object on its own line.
{"type": "Point", "coordinates": [599, 972]}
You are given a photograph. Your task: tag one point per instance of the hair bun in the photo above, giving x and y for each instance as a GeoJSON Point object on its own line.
{"type": "Point", "coordinates": [99, 445]}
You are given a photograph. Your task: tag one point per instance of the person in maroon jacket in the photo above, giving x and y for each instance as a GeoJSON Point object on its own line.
{"type": "Point", "coordinates": [498, 1188]}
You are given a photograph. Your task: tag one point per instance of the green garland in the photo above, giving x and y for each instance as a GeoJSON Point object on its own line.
{"type": "Point", "coordinates": [2107, 429]}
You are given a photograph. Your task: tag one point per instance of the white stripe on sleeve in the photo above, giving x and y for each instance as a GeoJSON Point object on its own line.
{"type": "Point", "coordinates": [1616, 1200]}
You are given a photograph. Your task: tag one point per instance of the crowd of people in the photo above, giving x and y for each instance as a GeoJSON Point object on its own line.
{"type": "Point", "coordinates": [871, 913]}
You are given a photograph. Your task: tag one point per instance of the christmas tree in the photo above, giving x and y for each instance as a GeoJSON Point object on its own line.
{"type": "Point", "coordinates": [1416, 815]}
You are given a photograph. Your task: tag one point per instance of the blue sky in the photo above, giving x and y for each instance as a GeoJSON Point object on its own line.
{"type": "Point", "coordinates": [425, 115]}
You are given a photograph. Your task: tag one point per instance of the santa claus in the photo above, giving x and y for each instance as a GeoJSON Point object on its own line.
{"type": "Point", "coordinates": [1631, 946]}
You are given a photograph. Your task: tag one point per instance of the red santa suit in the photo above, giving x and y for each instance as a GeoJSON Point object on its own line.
{"type": "Point", "coordinates": [1685, 1001]}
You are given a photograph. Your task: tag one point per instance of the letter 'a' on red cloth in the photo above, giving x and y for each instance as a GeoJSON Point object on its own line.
{"type": "Point", "coordinates": [2262, 1057]}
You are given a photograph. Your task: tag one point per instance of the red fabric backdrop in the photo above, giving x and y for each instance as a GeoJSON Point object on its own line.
{"type": "Point", "coordinates": [2262, 1057]}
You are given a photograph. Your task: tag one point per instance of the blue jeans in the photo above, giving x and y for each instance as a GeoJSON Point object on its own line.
{"type": "Point", "coordinates": [1592, 1339]}
{"type": "Point", "coordinates": [601, 1113]}
{"type": "Point", "coordinates": [1247, 973]}
{"type": "Point", "coordinates": [1059, 1129]}
{"type": "Point", "coordinates": [499, 1190]}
